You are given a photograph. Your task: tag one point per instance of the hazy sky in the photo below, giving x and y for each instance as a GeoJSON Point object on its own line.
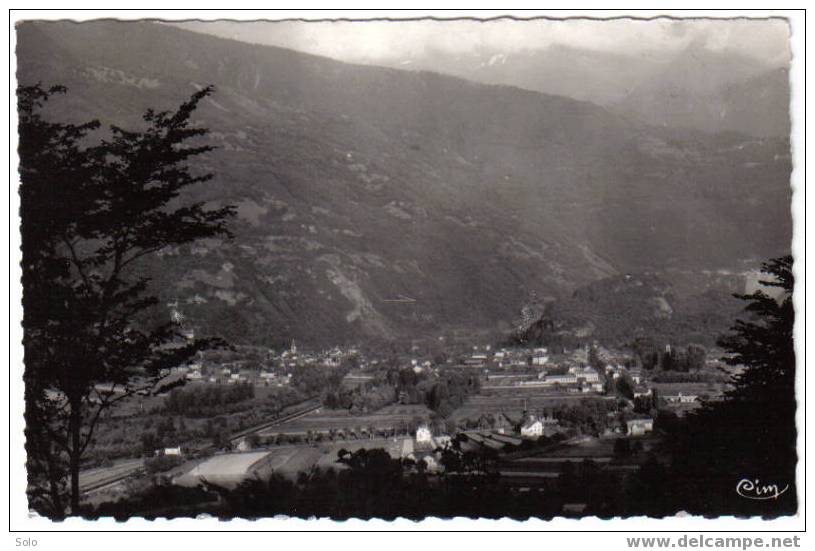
{"type": "Point", "coordinates": [766, 40]}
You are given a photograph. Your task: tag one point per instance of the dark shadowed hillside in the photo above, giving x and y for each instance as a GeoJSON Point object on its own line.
{"type": "Point", "coordinates": [673, 306]}
{"type": "Point", "coordinates": [378, 202]}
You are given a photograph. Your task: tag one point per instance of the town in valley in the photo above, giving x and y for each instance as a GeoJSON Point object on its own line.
{"type": "Point", "coordinates": [243, 414]}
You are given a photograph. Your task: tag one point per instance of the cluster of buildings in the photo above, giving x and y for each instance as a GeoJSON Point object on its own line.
{"type": "Point", "coordinates": [271, 369]}
{"type": "Point", "coordinates": [680, 398]}
{"type": "Point", "coordinates": [233, 374]}
{"type": "Point", "coordinates": [533, 426]}
{"type": "Point", "coordinates": [292, 357]}
{"type": "Point", "coordinates": [424, 448]}
{"type": "Point", "coordinates": [505, 358]}
{"type": "Point", "coordinates": [584, 378]}
{"type": "Point", "coordinates": [535, 367]}
{"type": "Point", "coordinates": [617, 371]}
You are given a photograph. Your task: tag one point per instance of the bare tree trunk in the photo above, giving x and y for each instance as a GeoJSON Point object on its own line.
{"type": "Point", "coordinates": [54, 486]}
{"type": "Point", "coordinates": [75, 427]}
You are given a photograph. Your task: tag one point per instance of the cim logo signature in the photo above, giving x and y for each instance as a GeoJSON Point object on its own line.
{"type": "Point", "coordinates": [754, 489]}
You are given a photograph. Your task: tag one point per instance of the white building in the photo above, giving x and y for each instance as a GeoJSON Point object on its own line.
{"type": "Point", "coordinates": [331, 362]}
{"type": "Point", "coordinates": [532, 427]}
{"type": "Point", "coordinates": [194, 376]}
{"type": "Point", "coordinates": [424, 435]}
{"type": "Point", "coordinates": [549, 420]}
{"type": "Point", "coordinates": [587, 373]}
{"type": "Point", "coordinates": [540, 360]}
{"type": "Point", "coordinates": [567, 379]}
{"type": "Point", "coordinates": [533, 383]}
{"type": "Point", "coordinates": [638, 427]}
{"type": "Point", "coordinates": [680, 398]}
{"type": "Point", "coordinates": [431, 464]}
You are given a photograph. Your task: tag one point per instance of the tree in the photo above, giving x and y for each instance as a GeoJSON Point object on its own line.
{"type": "Point", "coordinates": [751, 432]}
{"type": "Point", "coordinates": [89, 341]}
{"type": "Point", "coordinates": [149, 443]}
{"type": "Point", "coordinates": [625, 386]}
{"type": "Point", "coordinates": [696, 357]}
{"type": "Point", "coordinates": [48, 153]}
{"type": "Point", "coordinates": [595, 361]}
{"type": "Point", "coordinates": [764, 344]}
{"type": "Point", "coordinates": [668, 359]}
{"type": "Point", "coordinates": [221, 438]}
{"type": "Point", "coordinates": [254, 440]}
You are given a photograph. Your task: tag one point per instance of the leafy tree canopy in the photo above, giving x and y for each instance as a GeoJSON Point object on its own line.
{"type": "Point", "coordinates": [91, 207]}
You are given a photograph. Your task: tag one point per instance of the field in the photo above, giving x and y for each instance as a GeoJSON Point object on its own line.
{"type": "Point", "coordinates": [324, 419]}
{"type": "Point", "coordinates": [329, 455]}
{"type": "Point", "coordinates": [290, 460]}
{"type": "Point", "coordinates": [228, 469]}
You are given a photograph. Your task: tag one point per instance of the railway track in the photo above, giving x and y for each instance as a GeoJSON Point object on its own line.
{"type": "Point", "coordinates": [109, 482]}
{"type": "Point", "coordinates": [279, 421]}
{"type": "Point", "coordinates": [116, 479]}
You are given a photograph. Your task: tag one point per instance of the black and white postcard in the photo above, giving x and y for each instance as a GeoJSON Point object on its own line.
{"type": "Point", "coordinates": [424, 267]}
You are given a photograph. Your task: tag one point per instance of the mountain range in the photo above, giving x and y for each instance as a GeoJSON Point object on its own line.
{"type": "Point", "coordinates": [696, 87]}
{"type": "Point", "coordinates": [382, 203]}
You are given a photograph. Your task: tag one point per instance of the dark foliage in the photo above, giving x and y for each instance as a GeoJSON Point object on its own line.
{"type": "Point", "coordinates": [91, 208]}
{"type": "Point", "coordinates": [750, 433]}
{"type": "Point", "coordinates": [206, 401]}
{"type": "Point", "coordinates": [368, 483]}
{"type": "Point", "coordinates": [162, 463]}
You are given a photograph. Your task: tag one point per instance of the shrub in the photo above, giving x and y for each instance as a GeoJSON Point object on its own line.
{"type": "Point", "coordinates": [162, 463]}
